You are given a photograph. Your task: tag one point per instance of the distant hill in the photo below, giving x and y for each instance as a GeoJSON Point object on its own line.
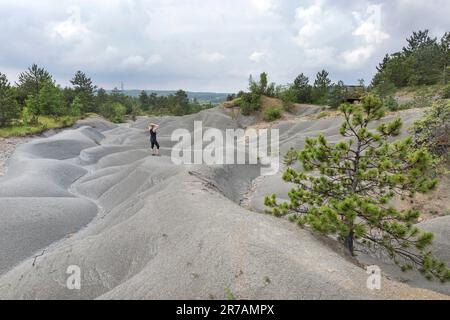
{"type": "Point", "coordinates": [213, 97]}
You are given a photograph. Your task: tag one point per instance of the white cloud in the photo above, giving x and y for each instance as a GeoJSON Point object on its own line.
{"type": "Point", "coordinates": [263, 5]}
{"type": "Point", "coordinates": [371, 28]}
{"type": "Point", "coordinates": [133, 61]}
{"type": "Point", "coordinates": [153, 59]}
{"type": "Point", "coordinates": [197, 44]}
{"type": "Point", "coordinates": [355, 58]}
{"type": "Point", "coordinates": [212, 56]}
{"type": "Point", "coordinates": [257, 56]}
{"type": "Point", "coordinates": [72, 27]}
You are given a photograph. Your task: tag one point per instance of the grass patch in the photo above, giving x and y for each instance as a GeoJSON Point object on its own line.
{"type": "Point", "coordinates": [229, 295]}
{"type": "Point", "coordinates": [45, 123]}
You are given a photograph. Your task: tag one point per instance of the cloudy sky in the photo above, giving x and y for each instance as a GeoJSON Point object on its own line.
{"type": "Point", "coordinates": [208, 45]}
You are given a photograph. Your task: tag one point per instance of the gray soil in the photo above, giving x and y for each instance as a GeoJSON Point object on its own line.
{"type": "Point", "coordinates": [141, 227]}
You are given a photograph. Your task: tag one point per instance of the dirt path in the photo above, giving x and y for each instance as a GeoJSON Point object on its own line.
{"type": "Point", "coordinates": [7, 147]}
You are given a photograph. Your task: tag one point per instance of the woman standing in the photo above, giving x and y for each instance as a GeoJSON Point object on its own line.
{"type": "Point", "coordinates": [152, 127]}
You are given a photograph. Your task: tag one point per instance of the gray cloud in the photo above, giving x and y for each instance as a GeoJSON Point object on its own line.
{"type": "Point", "coordinates": [208, 45]}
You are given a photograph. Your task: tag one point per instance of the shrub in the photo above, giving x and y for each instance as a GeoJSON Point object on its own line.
{"type": "Point", "coordinates": [25, 116]}
{"type": "Point", "coordinates": [114, 112]}
{"type": "Point", "coordinates": [288, 97]}
{"type": "Point", "coordinates": [391, 104]}
{"type": "Point", "coordinates": [290, 157]}
{"type": "Point", "coordinates": [272, 113]}
{"type": "Point", "coordinates": [446, 92]}
{"type": "Point", "coordinates": [250, 102]}
{"type": "Point", "coordinates": [433, 130]}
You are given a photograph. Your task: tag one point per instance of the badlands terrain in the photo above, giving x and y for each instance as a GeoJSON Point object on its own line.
{"type": "Point", "coordinates": [141, 227]}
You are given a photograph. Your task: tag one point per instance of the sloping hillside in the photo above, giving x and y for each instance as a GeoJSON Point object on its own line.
{"type": "Point", "coordinates": [142, 227]}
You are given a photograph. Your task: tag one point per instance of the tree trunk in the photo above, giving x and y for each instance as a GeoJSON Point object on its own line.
{"type": "Point", "coordinates": [348, 243]}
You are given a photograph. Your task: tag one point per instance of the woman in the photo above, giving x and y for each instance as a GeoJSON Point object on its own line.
{"type": "Point", "coordinates": [152, 128]}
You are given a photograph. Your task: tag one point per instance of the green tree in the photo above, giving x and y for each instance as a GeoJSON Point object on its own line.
{"type": "Point", "coordinates": [135, 111]}
{"type": "Point", "coordinates": [321, 87]}
{"type": "Point", "coordinates": [444, 48]}
{"type": "Point", "coordinates": [422, 62]}
{"type": "Point", "coordinates": [261, 87]}
{"type": "Point", "coordinates": [31, 81]}
{"type": "Point", "coordinates": [181, 102]}
{"type": "Point", "coordinates": [144, 100]}
{"type": "Point", "coordinates": [85, 90]}
{"type": "Point", "coordinates": [337, 94]}
{"type": "Point", "coordinates": [289, 97]}
{"type": "Point", "coordinates": [51, 100]}
{"type": "Point", "coordinates": [9, 109]}
{"type": "Point", "coordinates": [345, 189]}
{"type": "Point", "coordinates": [101, 98]}
{"type": "Point", "coordinates": [418, 40]}
{"type": "Point", "coordinates": [303, 88]}
{"type": "Point", "coordinates": [68, 95]}
{"type": "Point", "coordinates": [25, 116]}
{"type": "Point", "coordinates": [76, 106]}
{"type": "Point", "coordinates": [32, 106]}
{"type": "Point", "coordinates": [114, 112]}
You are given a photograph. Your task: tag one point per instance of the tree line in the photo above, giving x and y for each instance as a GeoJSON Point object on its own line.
{"type": "Point", "coordinates": [37, 94]}
{"type": "Point", "coordinates": [423, 61]}
{"type": "Point", "coordinates": [322, 92]}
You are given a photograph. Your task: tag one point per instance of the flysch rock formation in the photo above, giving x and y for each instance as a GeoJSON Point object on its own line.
{"type": "Point", "coordinates": [142, 227]}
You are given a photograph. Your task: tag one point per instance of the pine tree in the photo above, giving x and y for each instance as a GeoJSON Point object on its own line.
{"type": "Point", "coordinates": [303, 88]}
{"type": "Point", "coordinates": [9, 109]}
{"type": "Point", "coordinates": [31, 82]}
{"type": "Point", "coordinates": [444, 48]}
{"type": "Point", "coordinates": [345, 189]}
{"type": "Point", "coordinates": [85, 90]}
{"type": "Point", "coordinates": [144, 101]}
{"type": "Point", "coordinates": [321, 87]}
{"type": "Point", "coordinates": [51, 100]}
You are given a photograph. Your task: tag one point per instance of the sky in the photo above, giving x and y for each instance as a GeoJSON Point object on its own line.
{"type": "Point", "coordinates": [213, 45]}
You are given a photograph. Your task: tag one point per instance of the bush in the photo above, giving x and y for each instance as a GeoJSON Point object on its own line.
{"type": "Point", "coordinates": [135, 111]}
{"type": "Point", "coordinates": [420, 101]}
{"type": "Point", "coordinates": [114, 112]}
{"type": "Point", "coordinates": [272, 113]}
{"type": "Point", "coordinates": [249, 102]}
{"type": "Point", "coordinates": [446, 92]}
{"type": "Point", "coordinates": [391, 104]}
{"type": "Point", "coordinates": [288, 97]}
{"type": "Point", "coordinates": [433, 130]}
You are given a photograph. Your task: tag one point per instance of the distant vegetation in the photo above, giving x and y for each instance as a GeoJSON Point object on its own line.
{"type": "Point", "coordinates": [424, 61]}
{"type": "Point", "coordinates": [36, 103]}
{"type": "Point", "coordinates": [206, 98]}
{"type": "Point", "coordinates": [422, 68]}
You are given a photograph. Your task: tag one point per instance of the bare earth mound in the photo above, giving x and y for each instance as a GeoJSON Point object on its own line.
{"type": "Point", "coordinates": [141, 227]}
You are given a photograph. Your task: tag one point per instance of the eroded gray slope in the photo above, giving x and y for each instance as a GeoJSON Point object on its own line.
{"type": "Point", "coordinates": [167, 231]}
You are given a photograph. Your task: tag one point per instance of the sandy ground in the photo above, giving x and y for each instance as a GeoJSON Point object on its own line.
{"type": "Point", "coordinates": [7, 147]}
{"type": "Point", "coordinates": [141, 227]}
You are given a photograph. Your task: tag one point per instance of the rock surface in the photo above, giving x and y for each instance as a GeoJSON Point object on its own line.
{"type": "Point", "coordinates": [141, 227]}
